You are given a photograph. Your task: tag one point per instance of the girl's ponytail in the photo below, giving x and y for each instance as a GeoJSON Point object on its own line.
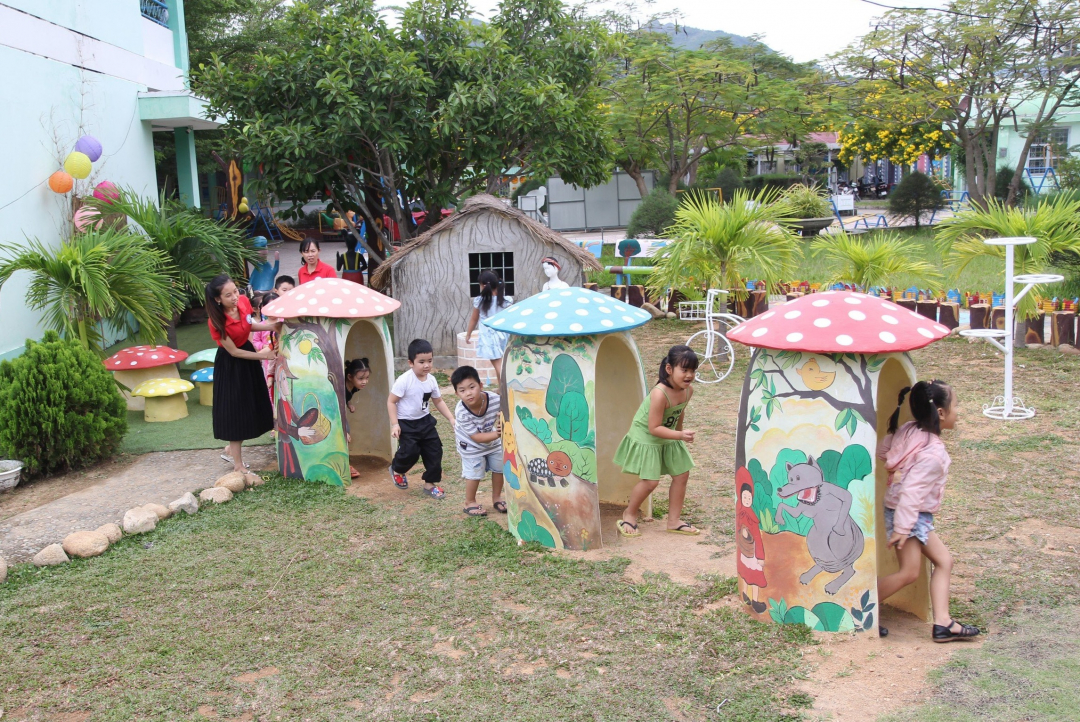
{"type": "Point", "coordinates": [491, 288]}
{"type": "Point", "coordinates": [927, 398]}
{"type": "Point", "coordinates": [894, 420]}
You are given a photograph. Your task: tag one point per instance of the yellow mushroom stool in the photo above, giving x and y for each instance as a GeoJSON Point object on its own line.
{"type": "Point", "coordinates": [204, 377]}
{"type": "Point", "coordinates": [164, 398]}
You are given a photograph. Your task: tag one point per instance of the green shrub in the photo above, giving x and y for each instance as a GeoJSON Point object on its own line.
{"type": "Point", "coordinates": [805, 201]}
{"type": "Point", "coordinates": [59, 407]}
{"type": "Point", "coordinates": [1002, 181]}
{"type": "Point", "coordinates": [653, 215]}
{"type": "Point", "coordinates": [727, 180]}
{"type": "Point", "coordinates": [779, 181]}
{"type": "Point", "coordinates": [916, 194]}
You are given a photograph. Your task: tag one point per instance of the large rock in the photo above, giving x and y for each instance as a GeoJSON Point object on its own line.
{"type": "Point", "coordinates": [187, 503]}
{"type": "Point", "coordinates": [50, 556]}
{"type": "Point", "coordinates": [162, 511]}
{"type": "Point", "coordinates": [3, 570]}
{"type": "Point", "coordinates": [112, 532]}
{"type": "Point", "coordinates": [217, 494]}
{"type": "Point", "coordinates": [233, 481]}
{"type": "Point", "coordinates": [252, 479]}
{"type": "Point", "coordinates": [85, 544]}
{"type": "Point", "coordinates": [139, 520]}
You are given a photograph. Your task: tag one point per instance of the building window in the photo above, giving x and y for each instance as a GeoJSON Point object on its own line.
{"type": "Point", "coordinates": [502, 263]}
{"type": "Point", "coordinates": [1047, 149]}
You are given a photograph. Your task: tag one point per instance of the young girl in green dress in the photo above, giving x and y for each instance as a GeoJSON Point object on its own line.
{"type": "Point", "coordinates": [656, 442]}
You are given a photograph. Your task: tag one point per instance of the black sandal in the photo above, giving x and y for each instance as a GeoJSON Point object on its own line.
{"type": "Point", "coordinates": [500, 506]}
{"type": "Point", "coordinates": [944, 633]}
{"type": "Point", "coordinates": [474, 510]}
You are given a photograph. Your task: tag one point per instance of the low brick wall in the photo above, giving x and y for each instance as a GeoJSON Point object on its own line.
{"type": "Point", "coordinates": [466, 356]}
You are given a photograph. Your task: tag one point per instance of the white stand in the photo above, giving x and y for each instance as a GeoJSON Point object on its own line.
{"type": "Point", "coordinates": [1009, 407]}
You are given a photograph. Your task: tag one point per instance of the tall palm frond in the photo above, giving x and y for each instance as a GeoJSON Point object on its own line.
{"type": "Point", "coordinates": [714, 243]}
{"type": "Point", "coordinates": [876, 261]}
{"type": "Point", "coordinates": [198, 248]}
{"type": "Point", "coordinates": [1054, 223]}
{"type": "Point", "coordinates": [106, 276]}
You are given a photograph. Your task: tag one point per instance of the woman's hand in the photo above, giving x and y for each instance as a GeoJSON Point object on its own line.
{"type": "Point", "coordinates": [266, 354]}
{"type": "Point", "coordinates": [688, 436]}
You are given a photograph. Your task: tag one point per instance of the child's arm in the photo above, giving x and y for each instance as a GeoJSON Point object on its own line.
{"type": "Point", "coordinates": [917, 481]}
{"type": "Point", "coordinates": [485, 437]}
{"type": "Point", "coordinates": [474, 318]}
{"type": "Point", "coordinates": [657, 404]}
{"type": "Point", "coordinates": [444, 410]}
{"type": "Point", "coordinates": [391, 409]}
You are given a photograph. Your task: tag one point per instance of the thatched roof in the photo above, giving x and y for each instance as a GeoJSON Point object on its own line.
{"type": "Point", "coordinates": [480, 204]}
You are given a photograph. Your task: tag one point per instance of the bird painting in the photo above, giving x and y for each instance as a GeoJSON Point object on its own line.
{"type": "Point", "coordinates": [814, 378]}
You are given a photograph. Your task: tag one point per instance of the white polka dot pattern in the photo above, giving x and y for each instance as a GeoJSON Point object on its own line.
{"type": "Point", "coordinates": [568, 312]}
{"type": "Point", "coordinates": [144, 357]}
{"type": "Point", "coordinates": [331, 298]}
{"type": "Point", "coordinates": [162, 387]}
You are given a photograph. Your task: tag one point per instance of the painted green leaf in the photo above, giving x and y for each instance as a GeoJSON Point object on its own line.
{"type": "Point", "coordinates": [572, 422]}
{"type": "Point", "coordinates": [565, 378]}
{"type": "Point", "coordinates": [854, 464]}
{"type": "Point", "coordinates": [582, 460]}
{"type": "Point", "coordinates": [828, 462]}
{"type": "Point", "coordinates": [834, 618]}
{"type": "Point", "coordinates": [841, 419]}
{"type": "Point", "coordinates": [529, 530]}
{"type": "Point", "coordinates": [802, 615]}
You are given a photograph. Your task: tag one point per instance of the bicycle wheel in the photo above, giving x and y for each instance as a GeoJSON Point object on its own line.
{"type": "Point", "coordinates": [715, 355]}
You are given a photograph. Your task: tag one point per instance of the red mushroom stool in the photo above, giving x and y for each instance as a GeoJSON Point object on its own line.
{"type": "Point", "coordinates": [132, 366]}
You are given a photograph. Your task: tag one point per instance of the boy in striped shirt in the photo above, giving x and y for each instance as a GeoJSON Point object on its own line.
{"type": "Point", "coordinates": [478, 438]}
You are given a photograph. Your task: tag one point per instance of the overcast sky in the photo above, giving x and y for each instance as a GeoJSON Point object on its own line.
{"type": "Point", "coordinates": [802, 29]}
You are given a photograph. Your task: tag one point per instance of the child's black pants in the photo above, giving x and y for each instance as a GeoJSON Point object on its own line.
{"type": "Point", "coordinates": [419, 440]}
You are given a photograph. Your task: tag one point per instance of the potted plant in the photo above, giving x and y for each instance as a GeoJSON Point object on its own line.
{"type": "Point", "coordinates": [809, 207]}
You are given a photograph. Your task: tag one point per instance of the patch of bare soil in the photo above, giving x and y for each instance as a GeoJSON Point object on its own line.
{"type": "Point", "coordinates": [1038, 535]}
{"type": "Point", "coordinates": [858, 677]}
{"type": "Point", "coordinates": [32, 494]}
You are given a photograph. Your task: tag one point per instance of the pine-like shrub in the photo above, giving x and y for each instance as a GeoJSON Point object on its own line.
{"type": "Point", "coordinates": [653, 215]}
{"type": "Point", "coordinates": [59, 407]}
{"type": "Point", "coordinates": [1003, 180]}
{"type": "Point", "coordinates": [914, 195]}
{"type": "Point", "coordinates": [727, 180]}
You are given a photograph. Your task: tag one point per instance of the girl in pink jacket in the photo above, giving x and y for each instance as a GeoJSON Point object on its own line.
{"type": "Point", "coordinates": [918, 466]}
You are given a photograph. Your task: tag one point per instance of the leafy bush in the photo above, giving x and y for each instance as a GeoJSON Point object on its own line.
{"type": "Point", "coordinates": [1002, 181]}
{"type": "Point", "coordinates": [805, 201]}
{"type": "Point", "coordinates": [653, 215]}
{"type": "Point", "coordinates": [916, 194]}
{"type": "Point", "coordinates": [727, 180]}
{"type": "Point", "coordinates": [60, 407]}
{"type": "Point", "coordinates": [779, 181]}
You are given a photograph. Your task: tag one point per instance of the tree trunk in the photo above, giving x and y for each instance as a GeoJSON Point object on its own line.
{"type": "Point", "coordinates": [170, 331]}
{"type": "Point", "coordinates": [633, 170]}
{"type": "Point", "coordinates": [335, 366]}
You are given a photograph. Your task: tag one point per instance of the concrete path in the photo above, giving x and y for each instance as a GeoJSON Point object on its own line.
{"type": "Point", "coordinates": [160, 477]}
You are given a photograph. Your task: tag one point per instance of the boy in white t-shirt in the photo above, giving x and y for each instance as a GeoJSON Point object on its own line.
{"type": "Point", "coordinates": [479, 438]}
{"type": "Point", "coordinates": [412, 425]}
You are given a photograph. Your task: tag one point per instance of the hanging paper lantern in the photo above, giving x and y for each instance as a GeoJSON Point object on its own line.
{"type": "Point", "coordinates": [89, 146]}
{"type": "Point", "coordinates": [85, 217]}
{"type": "Point", "coordinates": [61, 182]}
{"type": "Point", "coordinates": [106, 191]}
{"type": "Point", "coordinates": [77, 164]}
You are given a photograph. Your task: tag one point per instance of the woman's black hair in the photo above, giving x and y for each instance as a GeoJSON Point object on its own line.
{"type": "Point", "coordinates": [490, 286]}
{"type": "Point", "coordinates": [746, 487]}
{"type": "Point", "coordinates": [308, 243]}
{"type": "Point", "coordinates": [214, 310]}
{"type": "Point", "coordinates": [927, 397]}
{"type": "Point", "coordinates": [682, 357]}
{"type": "Point", "coordinates": [356, 366]}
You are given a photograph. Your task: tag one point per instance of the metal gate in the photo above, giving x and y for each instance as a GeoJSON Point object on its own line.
{"type": "Point", "coordinates": [610, 205]}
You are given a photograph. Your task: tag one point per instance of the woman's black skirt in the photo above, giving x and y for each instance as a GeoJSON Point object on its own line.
{"type": "Point", "coordinates": [242, 407]}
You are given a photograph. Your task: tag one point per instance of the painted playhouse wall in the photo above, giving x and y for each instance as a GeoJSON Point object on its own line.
{"type": "Point", "coordinates": [550, 437]}
{"type": "Point", "coordinates": [807, 536]}
{"type": "Point", "coordinates": [432, 283]}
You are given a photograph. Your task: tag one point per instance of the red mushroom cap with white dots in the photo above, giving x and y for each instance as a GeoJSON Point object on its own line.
{"type": "Point", "coordinates": [331, 298]}
{"type": "Point", "coordinates": [839, 322]}
{"type": "Point", "coordinates": [144, 357]}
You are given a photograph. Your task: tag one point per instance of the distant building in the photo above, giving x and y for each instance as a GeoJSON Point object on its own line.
{"type": "Point", "coordinates": [114, 69]}
{"type": "Point", "coordinates": [1047, 149]}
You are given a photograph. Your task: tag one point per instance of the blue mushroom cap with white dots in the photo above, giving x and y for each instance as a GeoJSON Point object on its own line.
{"type": "Point", "coordinates": [204, 375]}
{"type": "Point", "coordinates": [567, 312]}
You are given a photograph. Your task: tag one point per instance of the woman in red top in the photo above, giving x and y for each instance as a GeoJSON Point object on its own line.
{"type": "Point", "coordinates": [241, 408]}
{"type": "Point", "coordinates": [312, 267]}
{"type": "Point", "coordinates": [751, 564]}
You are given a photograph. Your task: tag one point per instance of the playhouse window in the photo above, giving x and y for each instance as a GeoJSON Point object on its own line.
{"type": "Point", "coordinates": [502, 263]}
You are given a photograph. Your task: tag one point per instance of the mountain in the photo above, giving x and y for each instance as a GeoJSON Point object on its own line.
{"type": "Point", "coordinates": [693, 38]}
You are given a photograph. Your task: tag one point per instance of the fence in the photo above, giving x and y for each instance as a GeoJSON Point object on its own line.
{"type": "Point", "coordinates": [610, 205]}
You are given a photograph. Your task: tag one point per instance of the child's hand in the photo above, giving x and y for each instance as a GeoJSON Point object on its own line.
{"type": "Point", "coordinates": [395, 431]}
{"type": "Point", "coordinates": [897, 540]}
{"type": "Point", "coordinates": [348, 438]}
{"type": "Point", "coordinates": [688, 436]}
{"type": "Point", "coordinates": [352, 409]}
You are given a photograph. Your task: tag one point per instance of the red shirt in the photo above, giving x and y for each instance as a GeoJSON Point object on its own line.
{"type": "Point", "coordinates": [237, 330]}
{"type": "Point", "coordinates": [322, 270]}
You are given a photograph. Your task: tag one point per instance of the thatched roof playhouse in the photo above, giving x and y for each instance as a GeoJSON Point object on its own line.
{"type": "Point", "coordinates": [434, 275]}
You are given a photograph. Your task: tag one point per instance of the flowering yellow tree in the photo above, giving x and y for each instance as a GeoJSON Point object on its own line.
{"type": "Point", "coordinates": [901, 144]}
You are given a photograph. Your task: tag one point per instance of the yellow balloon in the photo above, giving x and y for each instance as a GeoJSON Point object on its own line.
{"type": "Point", "coordinates": [305, 347]}
{"type": "Point", "coordinates": [78, 165]}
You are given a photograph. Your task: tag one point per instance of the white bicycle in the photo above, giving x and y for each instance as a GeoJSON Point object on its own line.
{"type": "Point", "coordinates": [716, 356]}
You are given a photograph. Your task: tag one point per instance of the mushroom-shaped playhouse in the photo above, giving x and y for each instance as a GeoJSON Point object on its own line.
{"type": "Point", "coordinates": [327, 322]}
{"type": "Point", "coordinates": [164, 398]}
{"type": "Point", "coordinates": [817, 397]}
{"type": "Point", "coordinates": [202, 359]}
{"type": "Point", "coordinates": [132, 366]}
{"type": "Point", "coordinates": [204, 377]}
{"type": "Point", "coordinates": [572, 381]}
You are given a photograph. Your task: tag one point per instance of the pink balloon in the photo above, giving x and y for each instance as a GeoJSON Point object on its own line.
{"type": "Point", "coordinates": [84, 217]}
{"type": "Point", "coordinates": [106, 191]}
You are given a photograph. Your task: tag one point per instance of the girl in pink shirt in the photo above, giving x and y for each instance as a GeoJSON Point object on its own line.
{"type": "Point", "coordinates": [918, 466]}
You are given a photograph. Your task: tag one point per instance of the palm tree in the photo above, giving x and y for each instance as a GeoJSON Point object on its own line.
{"type": "Point", "coordinates": [715, 243]}
{"type": "Point", "coordinates": [876, 261]}
{"type": "Point", "coordinates": [99, 276]}
{"type": "Point", "coordinates": [197, 248]}
{"type": "Point", "coordinates": [1053, 222]}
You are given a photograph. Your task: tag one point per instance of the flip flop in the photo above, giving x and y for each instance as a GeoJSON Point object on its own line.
{"type": "Point", "coordinates": [435, 492]}
{"type": "Point", "coordinates": [400, 480]}
{"type": "Point", "coordinates": [622, 523]}
{"type": "Point", "coordinates": [476, 510]}
{"type": "Point", "coordinates": [500, 506]}
{"type": "Point", "coordinates": [228, 460]}
{"type": "Point", "coordinates": [684, 528]}
{"type": "Point", "coordinates": [353, 473]}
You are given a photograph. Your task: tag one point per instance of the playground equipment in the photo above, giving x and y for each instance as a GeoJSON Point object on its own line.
{"type": "Point", "coordinates": [1008, 407]}
{"type": "Point", "coordinates": [715, 354]}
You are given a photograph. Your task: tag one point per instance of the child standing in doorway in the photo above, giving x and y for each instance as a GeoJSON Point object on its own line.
{"type": "Point", "coordinates": [479, 439]}
{"type": "Point", "coordinates": [656, 443]}
{"type": "Point", "coordinates": [357, 375]}
{"type": "Point", "coordinates": [918, 466]}
{"type": "Point", "coordinates": [492, 299]}
{"type": "Point", "coordinates": [413, 425]}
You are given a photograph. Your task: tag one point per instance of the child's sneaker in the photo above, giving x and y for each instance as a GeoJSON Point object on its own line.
{"type": "Point", "coordinates": [400, 480]}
